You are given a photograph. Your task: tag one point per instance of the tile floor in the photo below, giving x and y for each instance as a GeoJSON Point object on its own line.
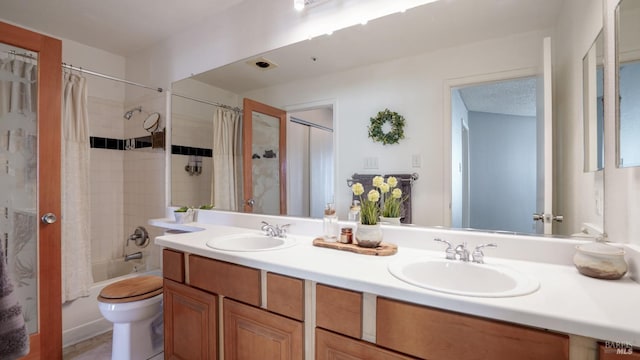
{"type": "Point", "coordinates": [96, 348]}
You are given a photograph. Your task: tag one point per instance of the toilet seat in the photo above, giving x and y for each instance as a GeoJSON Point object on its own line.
{"type": "Point", "coordinates": [133, 289]}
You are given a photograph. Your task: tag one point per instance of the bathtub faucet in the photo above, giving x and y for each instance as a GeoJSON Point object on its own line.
{"type": "Point", "coordinates": [134, 256]}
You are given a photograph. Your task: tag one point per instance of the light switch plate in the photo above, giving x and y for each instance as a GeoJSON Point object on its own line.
{"type": "Point", "coordinates": [370, 162]}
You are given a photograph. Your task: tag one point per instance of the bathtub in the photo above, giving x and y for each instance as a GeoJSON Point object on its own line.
{"type": "Point", "coordinates": [81, 318]}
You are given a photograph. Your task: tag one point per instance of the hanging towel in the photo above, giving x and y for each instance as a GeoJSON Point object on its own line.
{"type": "Point", "coordinates": [14, 339]}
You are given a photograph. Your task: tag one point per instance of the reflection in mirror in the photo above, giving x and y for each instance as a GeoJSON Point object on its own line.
{"type": "Point", "coordinates": [494, 148]}
{"type": "Point", "coordinates": [400, 62]}
{"type": "Point", "coordinates": [628, 49]}
{"type": "Point", "coordinates": [264, 159]}
{"type": "Point", "coordinates": [593, 105]}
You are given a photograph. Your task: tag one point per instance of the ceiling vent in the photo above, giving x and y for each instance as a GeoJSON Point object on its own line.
{"type": "Point", "coordinates": [262, 63]}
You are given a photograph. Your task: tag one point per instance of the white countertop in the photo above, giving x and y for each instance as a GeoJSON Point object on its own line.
{"type": "Point", "coordinates": [566, 301]}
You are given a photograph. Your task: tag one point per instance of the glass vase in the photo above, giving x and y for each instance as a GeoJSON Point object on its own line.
{"type": "Point", "coordinates": [368, 236]}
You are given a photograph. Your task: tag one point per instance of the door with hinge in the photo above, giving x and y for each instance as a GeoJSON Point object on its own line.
{"type": "Point", "coordinates": [264, 157]}
{"type": "Point", "coordinates": [30, 101]}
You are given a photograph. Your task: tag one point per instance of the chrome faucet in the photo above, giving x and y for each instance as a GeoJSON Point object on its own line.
{"type": "Point", "coordinates": [275, 230]}
{"type": "Point", "coordinates": [451, 254]}
{"type": "Point", "coordinates": [134, 256]}
{"type": "Point", "coordinates": [462, 253]}
{"type": "Point", "coordinates": [478, 255]}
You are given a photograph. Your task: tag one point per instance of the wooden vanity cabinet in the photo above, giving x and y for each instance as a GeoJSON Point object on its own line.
{"type": "Point", "coordinates": [436, 334]}
{"type": "Point", "coordinates": [190, 323]}
{"type": "Point", "coordinates": [191, 313]}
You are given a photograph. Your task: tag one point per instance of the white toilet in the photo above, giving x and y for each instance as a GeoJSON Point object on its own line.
{"type": "Point", "coordinates": [134, 306]}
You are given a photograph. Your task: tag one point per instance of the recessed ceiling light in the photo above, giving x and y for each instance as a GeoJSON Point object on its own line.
{"type": "Point", "coordinates": [262, 63]}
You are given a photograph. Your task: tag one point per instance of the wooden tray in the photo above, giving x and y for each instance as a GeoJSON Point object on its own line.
{"type": "Point", "coordinates": [384, 249]}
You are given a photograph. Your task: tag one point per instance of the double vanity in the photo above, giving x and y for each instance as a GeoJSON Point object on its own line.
{"type": "Point", "coordinates": [232, 291]}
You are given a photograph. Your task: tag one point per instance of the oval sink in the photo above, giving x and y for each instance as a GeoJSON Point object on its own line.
{"type": "Point", "coordinates": [464, 278]}
{"type": "Point", "coordinates": [249, 242]}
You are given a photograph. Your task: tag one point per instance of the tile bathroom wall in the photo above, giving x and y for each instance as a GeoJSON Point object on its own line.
{"type": "Point", "coordinates": [143, 176]}
{"type": "Point", "coordinates": [193, 136]}
{"type": "Point", "coordinates": [105, 120]}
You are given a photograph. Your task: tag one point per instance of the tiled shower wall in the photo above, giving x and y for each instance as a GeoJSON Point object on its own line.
{"type": "Point", "coordinates": [107, 180]}
{"type": "Point", "coordinates": [144, 177]}
{"type": "Point", "coordinates": [127, 186]}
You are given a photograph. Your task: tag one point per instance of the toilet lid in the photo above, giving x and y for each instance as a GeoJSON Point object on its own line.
{"type": "Point", "coordinates": [133, 289]}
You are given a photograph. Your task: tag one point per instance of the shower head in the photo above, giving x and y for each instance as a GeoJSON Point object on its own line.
{"type": "Point", "coordinates": [129, 113]}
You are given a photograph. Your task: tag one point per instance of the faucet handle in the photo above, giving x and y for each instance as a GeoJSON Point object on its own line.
{"type": "Point", "coordinates": [478, 255]}
{"type": "Point", "coordinates": [283, 229]}
{"type": "Point", "coordinates": [451, 253]}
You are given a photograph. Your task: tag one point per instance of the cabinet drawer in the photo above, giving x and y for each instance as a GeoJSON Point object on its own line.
{"type": "Point", "coordinates": [173, 265]}
{"type": "Point", "coordinates": [436, 334]}
{"type": "Point", "coordinates": [339, 310]}
{"type": "Point", "coordinates": [285, 296]}
{"type": "Point", "coordinates": [333, 346]}
{"type": "Point", "coordinates": [222, 278]}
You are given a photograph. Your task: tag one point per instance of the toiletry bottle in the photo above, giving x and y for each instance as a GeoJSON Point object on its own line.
{"type": "Point", "coordinates": [330, 224]}
{"type": "Point", "coordinates": [354, 211]}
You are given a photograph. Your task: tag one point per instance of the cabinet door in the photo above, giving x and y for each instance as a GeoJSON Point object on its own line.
{"type": "Point", "coordinates": [253, 333]}
{"type": "Point", "coordinates": [330, 346]}
{"type": "Point", "coordinates": [190, 323]}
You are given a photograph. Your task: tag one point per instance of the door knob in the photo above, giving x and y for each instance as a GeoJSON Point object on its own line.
{"type": "Point", "coordinates": [49, 218]}
{"type": "Point", "coordinates": [547, 218]}
{"type": "Point", "coordinates": [251, 202]}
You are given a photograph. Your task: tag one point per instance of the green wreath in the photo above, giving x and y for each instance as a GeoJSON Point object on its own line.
{"type": "Point", "coordinates": [397, 127]}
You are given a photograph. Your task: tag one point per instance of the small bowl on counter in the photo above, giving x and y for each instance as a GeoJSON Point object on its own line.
{"type": "Point", "coordinates": [600, 260]}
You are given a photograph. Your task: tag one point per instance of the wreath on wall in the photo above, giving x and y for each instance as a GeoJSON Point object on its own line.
{"type": "Point", "coordinates": [394, 135]}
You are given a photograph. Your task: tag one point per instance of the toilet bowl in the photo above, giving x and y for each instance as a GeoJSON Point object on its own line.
{"type": "Point", "coordinates": [134, 306]}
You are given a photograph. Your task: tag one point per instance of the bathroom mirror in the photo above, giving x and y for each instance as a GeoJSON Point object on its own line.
{"type": "Point", "coordinates": [593, 105]}
{"type": "Point", "coordinates": [398, 62]}
{"type": "Point", "coordinates": [628, 55]}
{"type": "Point", "coordinates": [152, 122]}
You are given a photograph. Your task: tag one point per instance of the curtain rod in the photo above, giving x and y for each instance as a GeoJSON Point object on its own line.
{"type": "Point", "coordinates": [212, 103]}
{"type": "Point", "coordinates": [90, 72]}
{"type": "Point", "coordinates": [309, 124]}
{"type": "Point", "coordinates": [82, 70]}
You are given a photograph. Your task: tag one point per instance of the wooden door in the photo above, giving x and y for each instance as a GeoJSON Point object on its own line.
{"type": "Point", "coordinates": [264, 158]}
{"type": "Point", "coordinates": [46, 339]}
{"type": "Point", "coordinates": [253, 333]}
{"type": "Point", "coordinates": [190, 323]}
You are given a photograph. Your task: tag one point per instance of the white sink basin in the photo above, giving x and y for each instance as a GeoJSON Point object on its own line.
{"type": "Point", "coordinates": [464, 278]}
{"type": "Point", "coordinates": [249, 242]}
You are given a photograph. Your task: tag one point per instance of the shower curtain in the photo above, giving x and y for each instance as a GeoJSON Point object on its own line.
{"type": "Point", "coordinates": [226, 189]}
{"type": "Point", "coordinates": [76, 241]}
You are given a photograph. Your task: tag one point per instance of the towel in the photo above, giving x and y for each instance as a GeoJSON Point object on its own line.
{"type": "Point", "coordinates": [14, 339]}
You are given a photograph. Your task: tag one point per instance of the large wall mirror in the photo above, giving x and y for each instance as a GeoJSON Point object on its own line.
{"type": "Point", "coordinates": [405, 62]}
{"type": "Point", "coordinates": [593, 105]}
{"type": "Point", "coordinates": [628, 48]}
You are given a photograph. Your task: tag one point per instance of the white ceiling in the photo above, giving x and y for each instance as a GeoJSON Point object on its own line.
{"type": "Point", "coordinates": [124, 27]}
{"type": "Point", "coordinates": [118, 26]}
{"type": "Point", "coordinates": [438, 25]}
{"type": "Point", "coordinates": [513, 97]}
